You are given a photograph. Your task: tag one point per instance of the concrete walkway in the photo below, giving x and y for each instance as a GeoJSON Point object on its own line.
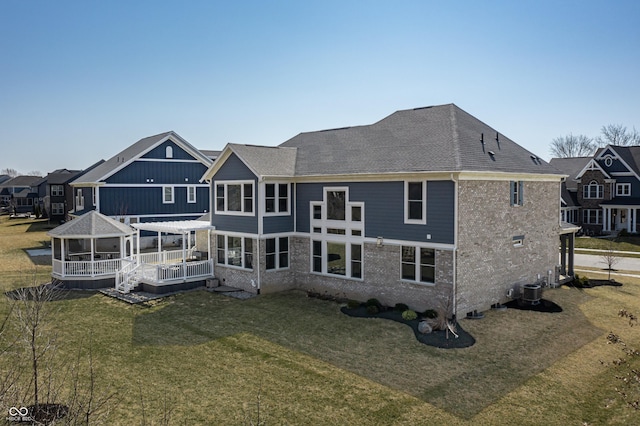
{"type": "Point", "coordinates": [596, 261]}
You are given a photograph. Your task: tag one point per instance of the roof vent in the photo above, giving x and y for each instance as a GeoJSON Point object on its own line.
{"type": "Point", "coordinates": [492, 155]}
{"type": "Point", "coordinates": [482, 140]}
{"type": "Point", "coordinates": [498, 139]}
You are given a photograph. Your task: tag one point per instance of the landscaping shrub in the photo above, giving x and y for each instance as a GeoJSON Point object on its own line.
{"type": "Point", "coordinates": [409, 315]}
{"type": "Point", "coordinates": [372, 309]}
{"type": "Point", "coordinates": [401, 307]}
{"type": "Point", "coordinates": [374, 302]}
{"type": "Point", "coordinates": [430, 313]}
{"type": "Point", "coordinates": [353, 304]}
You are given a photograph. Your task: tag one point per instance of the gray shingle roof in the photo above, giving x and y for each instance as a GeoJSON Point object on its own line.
{"type": "Point", "coordinates": [438, 138]}
{"type": "Point", "coordinates": [570, 166]}
{"type": "Point", "coordinates": [267, 160]}
{"type": "Point", "coordinates": [91, 224]}
{"type": "Point", "coordinates": [96, 174]}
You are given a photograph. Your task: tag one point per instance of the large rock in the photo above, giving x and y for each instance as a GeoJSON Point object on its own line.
{"type": "Point", "coordinates": [424, 327]}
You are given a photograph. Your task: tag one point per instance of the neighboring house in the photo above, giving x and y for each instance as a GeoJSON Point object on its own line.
{"type": "Point", "coordinates": [429, 207]}
{"type": "Point", "coordinates": [602, 193]}
{"type": "Point", "coordinates": [20, 193]}
{"type": "Point", "coordinates": [59, 194]}
{"type": "Point", "coordinates": [155, 179]}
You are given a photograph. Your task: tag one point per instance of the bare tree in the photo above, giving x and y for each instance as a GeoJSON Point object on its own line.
{"type": "Point", "coordinates": [572, 146]}
{"type": "Point", "coordinates": [617, 134]}
{"type": "Point", "coordinates": [9, 172]}
{"type": "Point", "coordinates": [610, 258]}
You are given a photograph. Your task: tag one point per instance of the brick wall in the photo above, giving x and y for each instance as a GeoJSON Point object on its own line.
{"type": "Point", "coordinates": [488, 264]}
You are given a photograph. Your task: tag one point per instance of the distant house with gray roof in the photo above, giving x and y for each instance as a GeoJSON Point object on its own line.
{"type": "Point", "coordinates": [429, 207]}
{"type": "Point", "coordinates": [155, 179]}
{"type": "Point", "coordinates": [602, 193]}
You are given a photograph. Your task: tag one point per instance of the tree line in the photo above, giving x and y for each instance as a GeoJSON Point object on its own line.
{"type": "Point", "coordinates": [584, 146]}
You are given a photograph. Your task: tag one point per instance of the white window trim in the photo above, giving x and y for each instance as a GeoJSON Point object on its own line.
{"type": "Point", "coordinates": [79, 200]}
{"type": "Point", "coordinates": [57, 190]}
{"type": "Point", "coordinates": [168, 151]}
{"type": "Point", "coordinates": [324, 237]}
{"type": "Point", "coordinates": [242, 253]}
{"type": "Point", "coordinates": [226, 184]}
{"type": "Point", "coordinates": [93, 195]}
{"type": "Point", "coordinates": [599, 190]}
{"type": "Point", "coordinates": [164, 199]}
{"type": "Point", "coordinates": [277, 253]}
{"type": "Point", "coordinates": [263, 199]}
{"type": "Point", "coordinates": [57, 208]}
{"type": "Point", "coordinates": [422, 221]}
{"type": "Point", "coordinates": [195, 191]}
{"type": "Point", "coordinates": [417, 249]}
{"type": "Point", "coordinates": [619, 192]}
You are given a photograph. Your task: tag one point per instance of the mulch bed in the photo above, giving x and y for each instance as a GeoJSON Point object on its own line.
{"type": "Point", "coordinates": [437, 338]}
{"type": "Point", "coordinates": [544, 306]}
{"type": "Point", "coordinates": [594, 283]}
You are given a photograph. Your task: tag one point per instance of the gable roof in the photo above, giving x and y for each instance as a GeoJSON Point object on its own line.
{"type": "Point", "coordinates": [628, 155]}
{"type": "Point", "coordinates": [61, 176]}
{"type": "Point", "coordinates": [263, 161]}
{"type": "Point", "coordinates": [439, 138]}
{"type": "Point", "coordinates": [91, 224]}
{"type": "Point", "coordinates": [133, 152]}
{"type": "Point", "coordinates": [570, 166]}
{"type": "Point", "coordinates": [21, 181]}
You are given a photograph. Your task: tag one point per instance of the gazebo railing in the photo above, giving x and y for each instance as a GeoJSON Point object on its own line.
{"type": "Point", "coordinates": [80, 268]}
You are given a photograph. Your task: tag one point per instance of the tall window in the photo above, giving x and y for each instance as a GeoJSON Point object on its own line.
{"type": "Point", "coordinates": [234, 251]}
{"type": "Point", "coordinates": [415, 202]}
{"type": "Point", "coordinates": [234, 197]}
{"type": "Point", "coordinates": [167, 195]}
{"type": "Point", "coordinates": [276, 197]}
{"type": "Point", "coordinates": [418, 264]}
{"type": "Point", "coordinates": [191, 194]}
{"type": "Point", "coordinates": [277, 253]}
{"type": "Point", "coordinates": [593, 190]}
{"type": "Point", "coordinates": [79, 200]}
{"type": "Point", "coordinates": [338, 232]}
{"type": "Point", "coordinates": [516, 189]}
{"type": "Point", "coordinates": [168, 152]}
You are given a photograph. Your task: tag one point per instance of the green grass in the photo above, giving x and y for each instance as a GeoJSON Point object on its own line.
{"type": "Point", "coordinates": [628, 243]}
{"type": "Point", "coordinates": [209, 357]}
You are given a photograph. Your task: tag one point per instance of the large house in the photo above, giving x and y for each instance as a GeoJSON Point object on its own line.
{"type": "Point", "coordinates": [429, 207]}
{"type": "Point", "coordinates": [155, 179]}
{"type": "Point", "coordinates": [602, 192]}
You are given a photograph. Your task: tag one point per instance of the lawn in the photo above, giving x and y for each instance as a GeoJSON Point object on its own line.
{"type": "Point", "coordinates": [204, 358]}
{"type": "Point", "coordinates": [623, 243]}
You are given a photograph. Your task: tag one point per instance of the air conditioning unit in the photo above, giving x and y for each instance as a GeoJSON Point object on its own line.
{"type": "Point", "coordinates": [212, 283]}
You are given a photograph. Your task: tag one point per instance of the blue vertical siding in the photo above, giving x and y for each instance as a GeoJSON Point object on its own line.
{"type": "Point", "coordinates": [384, 209]}
{"type": "Point", "coordinates": [160, 151]}
{"type": "Point", "coordinates": [166, 172]}
{"type": "Point", "coordinates": [234, 169]}
{"type": "Point", "coordinates": [146, 201]}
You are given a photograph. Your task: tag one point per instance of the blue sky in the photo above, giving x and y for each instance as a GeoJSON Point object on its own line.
{"type": "Point", "coordinates": [82, 80]}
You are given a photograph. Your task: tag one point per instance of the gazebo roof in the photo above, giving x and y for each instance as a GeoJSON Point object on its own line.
{"type": "Point", "coordinates": [92, 224]}
{"type": "Point", "coordinates": [175, 227]}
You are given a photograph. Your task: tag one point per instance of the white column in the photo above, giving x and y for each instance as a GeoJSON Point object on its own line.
{"type": "Point", "coordinates": [93, 255]}
{"type": "Point", "coordinates": [634, 215]}
{"type": "Point", "coordinates": [629, 220]}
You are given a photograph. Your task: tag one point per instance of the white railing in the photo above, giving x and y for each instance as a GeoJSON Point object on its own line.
{"type": "Point", "coordinates": [171, 256]}
{"type": "Point", "coordinates": [80, 268]}
{"type": "Point", "coordinates": [125, 275]}
{"type": "Point", "coordinates": [159, 274]}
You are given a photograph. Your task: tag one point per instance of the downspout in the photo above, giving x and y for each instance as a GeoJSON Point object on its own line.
{"type": "Point", "coordinates": [455, 246]}
{"type": "Point", "coordinates": [260, 229]}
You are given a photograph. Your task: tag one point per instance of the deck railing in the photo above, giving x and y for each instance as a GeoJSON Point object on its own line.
{"type": "Point", "coordinates": [160, 274]}
{"type": "Point", "coordinates": [169, 256]}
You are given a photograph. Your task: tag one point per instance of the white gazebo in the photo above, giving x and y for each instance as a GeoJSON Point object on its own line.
{"type": "Point", "coordinates": [88, 251]}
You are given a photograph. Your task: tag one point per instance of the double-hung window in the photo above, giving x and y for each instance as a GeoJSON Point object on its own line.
{"type": "Point", "coordinates": [415, 202]}
{"type": "Point", "coordinates": [418, 264]}
{"type": "Point", "coordinates": [516, 191]}
{"type": "Point", "coordinates": [234, 251]}
{"type": "Point", "coordinates": [276, 198]}
{"type": "Point", "coordinates": [57, 190]}
{"type": "Point", "coordinates": [191, 194]}
{"type": "Point", "coordinates": [234, 197]}
{"type": "Point", "coordinates": [167, 195]}
{"type": "Point", "coordinates": [277, 253]}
